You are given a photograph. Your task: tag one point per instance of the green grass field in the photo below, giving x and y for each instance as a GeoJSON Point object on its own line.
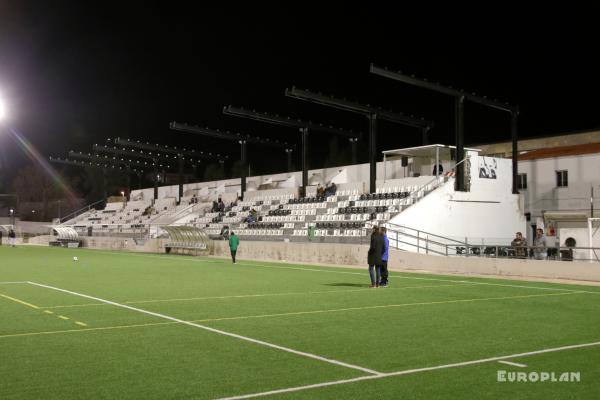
{"type": "Point", "coordinates": [134, 326]}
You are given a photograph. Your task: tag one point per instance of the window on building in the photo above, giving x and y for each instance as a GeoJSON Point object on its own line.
{"type": "Point", "coordinates": [562, 178]}
{"type": "Point", "coordinates": [522, 181]}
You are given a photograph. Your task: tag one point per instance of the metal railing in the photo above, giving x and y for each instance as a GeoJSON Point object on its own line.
{"type": "Point", "coordinates": [411, 239]}
{"type": "Point", "coordinates": [80, 211]}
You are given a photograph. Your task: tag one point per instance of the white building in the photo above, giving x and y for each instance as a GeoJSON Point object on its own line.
{"type": "Point", "coordinates": [559, 179]}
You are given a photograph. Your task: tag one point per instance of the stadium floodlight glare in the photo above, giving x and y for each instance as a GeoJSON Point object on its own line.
{"type": "Point", "coordinates": [2, 109]}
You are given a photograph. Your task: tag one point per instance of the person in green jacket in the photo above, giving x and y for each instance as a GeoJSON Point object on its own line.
{"type": "Point", "coordinates": [234, 242]}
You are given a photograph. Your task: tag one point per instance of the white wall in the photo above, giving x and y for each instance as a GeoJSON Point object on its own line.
{"type": "Point", "coordinates": [542, 193]}
{"type": "Point", "coordinates": [488, 212]}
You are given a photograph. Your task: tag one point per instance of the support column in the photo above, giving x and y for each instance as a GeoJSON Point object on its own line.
{"type": "Point", "coordinates": [515, 150]}
{"type": "Point", "coordinates": [459, 183]}
{"type": "Point", "coordinates": [304, 133]}
{"type": "Point", "coordinates": [180, 177]}
{"type": "Point", "coordinates": [244, 166]}
{"type": "Point", "coordinates": [156, 183]}
{"type": "Point", "coordinates": [289, 153]}
{"type": "Point", "coordinates": [425, 135]}
{"type": "Point", "coordinates": [353, 144]}
{"type": "Point", "coordinates": [128, 182]}
{"type": "Point", "coordinates": [104, 192]}
{"type": "Point", "coordinates": [372, 152]}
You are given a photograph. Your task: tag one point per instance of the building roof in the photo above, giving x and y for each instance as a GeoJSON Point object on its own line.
{"type": "Point", "coordinates": [562, 151]}
{"type": "Point", "coordinates": [545, 142]}
{"type": "Point", "coordinates": [427, 151]}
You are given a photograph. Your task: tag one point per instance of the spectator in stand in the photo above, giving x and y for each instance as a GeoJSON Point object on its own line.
{"type": "Point", "coordinates": [540, 245]}
{"type": "Point", "coordinates": [225, 232]}
{"type": "Point", "coordinates": [0, 237]}
{"type": "Point", "coordinates": [220, 205]}
{"type": "Point", "coordinates": [215, 206]}
{"type": "Point", "coordinates": [519, 244]}
{"type": "Point", "coordinates": [320, 191]}
{"type": "Point", "coordinates": [330, 190]}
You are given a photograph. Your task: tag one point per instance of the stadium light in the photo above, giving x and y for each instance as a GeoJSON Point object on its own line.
{"type": "Point", "coordinates": [2, 109]}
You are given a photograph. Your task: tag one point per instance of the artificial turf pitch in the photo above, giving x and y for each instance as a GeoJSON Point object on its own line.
{"type": "Point", "coordinates": [178, 327]}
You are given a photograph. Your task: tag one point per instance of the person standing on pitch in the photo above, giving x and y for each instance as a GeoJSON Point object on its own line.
{"type": "Point", "coordinates": [12, 238]}
{"type": "Point", "coordinates": [234, 242]}
{"type": "Point", "coordinates": [374, 257]}
{"type": "Point", "coordinates": [384, 257]}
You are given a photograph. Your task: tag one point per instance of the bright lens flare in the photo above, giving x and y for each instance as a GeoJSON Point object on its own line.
{"type": "Point", "coordinates": [40, 160]}
{"type": "Point", "coordinates": [1, 108]}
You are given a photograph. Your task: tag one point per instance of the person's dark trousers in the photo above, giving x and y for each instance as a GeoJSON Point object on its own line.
{"type": "Point", "coordinates": [233, 255]}
{"type": "Point", "coordinates": [378, 275]}
{"type": "Point", "coordinates": [384, 273]}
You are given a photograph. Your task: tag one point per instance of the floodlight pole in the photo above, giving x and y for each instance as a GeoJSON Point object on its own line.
{"type": "Point", "coordinates": [244, 160]}
{"type": "Point", "coordinates": [460, 97]}
{"type": "Point", "coordinates": [304, 140]}
{"type": "Point", "coordinates": [514, 116]}
{"type": "Point", "coordinates": [353, 144]}
{"type": "Point", "coordinates": [289, 153]}
{"type": "Point", "coordinates": [459, 112]}
{"type": "Point", "coordinates": [372, 152]}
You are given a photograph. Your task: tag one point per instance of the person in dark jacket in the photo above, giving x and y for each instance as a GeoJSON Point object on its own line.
{"type": "Point", "coordinates": [376, 249]}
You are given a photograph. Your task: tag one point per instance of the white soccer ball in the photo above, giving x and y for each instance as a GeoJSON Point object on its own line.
{"type": "Point", "coordinates": [75, 259]}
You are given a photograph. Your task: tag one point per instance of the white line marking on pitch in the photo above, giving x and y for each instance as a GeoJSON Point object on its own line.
{"type": "Point", "coordinates": [248, 339]}
{"type": "Point", "coordinates": [408, 372]}
{"type": "Point", "coordinates": [370, 290]}
{"type": "Point", "coordinates": [11, 283]}
{"type": "Point", "coordinates": [514, 364]}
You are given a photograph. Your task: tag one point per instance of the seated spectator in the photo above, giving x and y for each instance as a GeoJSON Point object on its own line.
{"type": "Point", "coordinates": [215, 206]}
{"type": "Point", "coordinates": [437, 169]}
{"type": "Point", "coordinates": [220, 205]}
{"type": "Point", "coordinates": [330, 190]}
{"type": "Point", "coordinates": [320, 191]}
{"type": "Point", "coordinates": [519, 244]}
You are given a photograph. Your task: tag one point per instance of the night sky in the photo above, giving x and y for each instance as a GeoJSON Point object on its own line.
{"type": "Point", "coordinates": [74, 76]}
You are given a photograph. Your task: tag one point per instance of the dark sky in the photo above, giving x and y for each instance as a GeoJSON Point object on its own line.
{"type": "Point", "coordinates": [74, 76]}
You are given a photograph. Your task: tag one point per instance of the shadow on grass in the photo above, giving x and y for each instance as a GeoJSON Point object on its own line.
{"type": "Point", "coordinates": [347, 284]}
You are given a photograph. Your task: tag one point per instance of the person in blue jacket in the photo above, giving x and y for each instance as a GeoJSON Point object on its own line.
{"type": "Point", "coordinates": [384, 257]}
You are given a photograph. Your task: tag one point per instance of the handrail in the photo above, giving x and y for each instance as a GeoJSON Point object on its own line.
{"type": "Point", "coordinates": [77, 212]}
{"type": "Point", "coordinates": [428, 234]}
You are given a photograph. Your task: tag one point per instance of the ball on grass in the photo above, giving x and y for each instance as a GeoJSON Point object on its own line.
{"type": "Point", "coordinates": [75, 259]}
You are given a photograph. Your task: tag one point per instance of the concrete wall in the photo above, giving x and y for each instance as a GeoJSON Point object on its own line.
{"type": "Point", "coordinates": [356, 255]}
{"type": "Point", "coordinates": [488, 213]}
{"type": "Point", "coordinates": [339, 254]}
